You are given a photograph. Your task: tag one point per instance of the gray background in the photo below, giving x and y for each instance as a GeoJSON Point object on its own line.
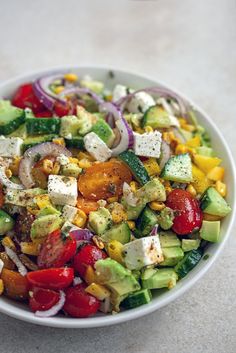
{"type": "Point", "coordinates": [189, 44]}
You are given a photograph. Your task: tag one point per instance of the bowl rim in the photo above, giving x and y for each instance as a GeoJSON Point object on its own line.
{"type": "Point", "coordinates": [101, 321]}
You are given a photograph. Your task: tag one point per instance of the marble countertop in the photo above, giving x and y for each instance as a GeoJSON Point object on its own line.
{"type": "Point", "coordinates": [188, 44]}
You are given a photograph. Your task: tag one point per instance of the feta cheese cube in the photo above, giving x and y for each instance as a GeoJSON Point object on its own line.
{"type": "Point", "coordinates": [62, 190]}
{"type": "Point", "coordinates": [119, 92]}
{"type": "Point", "coordinates": [10, 146]}
{"type": "Point", "coordinates": [69, 213]}
{"type": "Point", "coordinates": [147, 144]}
{"type": "Point", "coordinates": [96, 147]}
{"type": "Point", "coordinates": [140, 102]}
{"type": "Point", "coordinates": [62, 159]}
{"type": "Point", "coordinates": [142, 252]}
{"type": "Point", "coordinates": [68, 226]}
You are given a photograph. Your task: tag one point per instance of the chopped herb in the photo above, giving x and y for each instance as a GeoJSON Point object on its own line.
{"type": "Point", "coordinates": [37, 157]}
{"type": "Point", "coordinates": [206, 257]}
{"type": "Point", "coordinates": [112, 188]}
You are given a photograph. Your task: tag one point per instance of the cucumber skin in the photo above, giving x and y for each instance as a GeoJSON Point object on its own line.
{"type": "Point", "coordinates": [12, 125]}
{"type": "Point", "coordinates": [46, 138]}
{"type": "Point", "coordinates": [208, 199]}
{"type": "Point", "coordinates": [123, 235]}
{"type": "Point", "coordinates": [76, 142]}
{"type": "Point", "coordinates": [136, 299]}
{"type": "Point", "coordinates": [135, 165]}
{"type": "Point", "coordinates": [189, 261]}
{"type": "Point", "coordinates": [146, 221]}
{"type": "Point", "coordinates": [168, 173]}
{"type": "Point", "coordinates": [38, 126]}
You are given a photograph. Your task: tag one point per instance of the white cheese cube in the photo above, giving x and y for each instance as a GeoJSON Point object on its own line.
{"type": "Point", "coordinates": [62, 190]}
{"type": "Point", "coordinates": [147, 144]}
{"type": "Point", "coordinates": [119, 91]}
{"type": "Point", "coordinates": [62, 159]}
{"type": "Point", "coordinates": [142, 252]}
{"type": "Point", "coordinates": [10, 146]}
{"type": "Point", "coordinates": [68, 226]}
{"type": "Point", "coordinates": [140, 102]}
{"type": "Point", "coordinates": [69, 213]}
{"type": "Point", "coordinates": [96, 147]}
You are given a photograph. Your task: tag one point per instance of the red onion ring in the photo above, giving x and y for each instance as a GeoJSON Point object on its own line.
{"type": "Point", "coordinates": [165, 154]}
{"type": "Point", "coordinates": [54, 309]}
{"type": "Point", "coordinates": [82, 234]}
{"type": "Point", "coordinates": [6, 182]}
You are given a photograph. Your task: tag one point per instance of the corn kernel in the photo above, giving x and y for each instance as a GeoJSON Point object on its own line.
{"type": "Point", "coordinates": [221, 188]}
{"type": "Point", "coordinates": [112, 199]}
{"type": "Point", "coordinates": [191, 190]}
{"type": "Point", "coordinates": [14, 166]}
{"type": "Point", "coordinates": [90, 275]}
{"type": "Point", "coordinates": [182, 122]}
{"type": "Point", "coordinates": [115, 251]}
{"type": "Point", "coordinates": [71, 77]}
{"type": "Point", "coordinates": [98, 242]}
{"type": "Point", "coordinates": [98, 291]}
{"type": "Point", "coordinates": [118, 213]}
{"type": "Point", "coordinates": [148, 129]}
{"type": "Point", "coordinates": [181, 148]}
{"type": "Point", "coordinates": [189, 127]}
{"type": "Point", "coordinates": [56, 168]}
{"type": "Point", "coordinates": [59, 141]}
{"type": "Point", "coordinates": [152, 166]}
{"type": "Point", "coordinates": [80, 219]}
{"type": "Point", "coordinates": [73, 160]}
{"type": "Point", "coordinates": [8, 173]}
{"type": "Point", "coordinates": [108, 97]}
{"type": "Point", "coordinates": [210, 217]}
{"type": "Point", "coordinates": [58, 89]}
{"type": "Point", "coordinates": [30, 248]}
{"type": "Point", "coordinates": [42, 201]}
{"type": "Point", "coordinates": [131, 225]}
{"type": "Point", "coordinates": [33, 211]}
{"type": "Point", "coordinates": [1, 286]}
{"type": "Point", "coordinates": [167, 186]}
{"type": "Point", "coordinates": [47, 166]}
{"type": "Point", "coordinates": [84, 163]}
{"type": "Point", "coordinates": [6, 241]}
{"type": "Point", "coordinates": [157, 206]}
{"type": "Point", "coordinates": [134, 186]}
{"type": "Point", "coordinates": [216, 173]}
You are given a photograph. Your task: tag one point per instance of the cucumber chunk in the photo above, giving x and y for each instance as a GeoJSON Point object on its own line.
{"type": "Point", "coordinates": [189, 261]}
{"type": "Point", "coordinates": [178, 168]}
{"type": "Point", "coordinates": [190, 244]}
{"type": "Point", "coordinates": [10, 117]}
{"type": "Point", "coordinates": [210, 231]}
{"type": "Point", "coordinates": [35, 140]}
{"type": "Point", "coordinates": [213, 203]}
{"type": "Point", "coordinates": [162, 278]}
{"type": "Point", "coordinates": [136, 166]}
{"type": "Point", "coordinates": [169, 239]}
{"type": "Point", "coordinates": [6, 222]}
{"type": "Point", "coordinates": [172, 256]}
{"type": "Point", "coordinates": [75, 142]}
{"type": "Point", "coordinates": [157, 118]}
{"type": "Point", "coordinates": [119, 232]}
{"type": "Point", "coordinates": [40, 126]}
{"type": "Point", "coordinates": [146, 221]}
{"type": "Point", "coordinates": [136, 299]}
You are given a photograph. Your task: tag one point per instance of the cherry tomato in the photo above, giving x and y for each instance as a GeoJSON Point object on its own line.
{"type": "Point", "coordinates": [43, 299]}
{"type": "Point", "coordinates": [87, 256]}
{"type": "Point", "coordinates": [86, 205]}
{"type": "Point", "coordinates": [16, 286]}
{"type": "Point", "coordinates": [104, 180]}
{"type": "Point", "coordinates": [51, 278]}
{"type": "Point", "coordinates": [188, 213]}
{"type": "Point", "coordinates": [56, 250]}
{"type": "Point", "coordinates": [25, 98]}
{"type": "Point", "coordinates": [44, 114]}
{"type": "Point", "coordinates": [79, 303]}
{"type": "Point", "coordinates": [61, 109]}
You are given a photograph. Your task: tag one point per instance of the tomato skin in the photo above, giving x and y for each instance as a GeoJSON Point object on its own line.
{"type": "Point", "coordinates": [55, 251]}
{"type": "Point", "coordinates": [61, 109]}
{"type": "Point", "coordinates": [104, 180]}
{"type": "Point", "coordinates": [44, 114]}
{"type": "Point", "coordinates": [25, 98]}
{"type": "Point", "coordinates": [79, 303]}
{"type": "Point", "coordinates": [87, 256]}
{"type": "Point", "coordinates": [188, 213]}
{"type": "Point", "coordinates": [43, 299]}
{"type": "Point", "coordinates": [16, 286]}
{"type": "Point", "coordinates": [86, 205]}
{"type": "Point", "coordinates": [51, 278]}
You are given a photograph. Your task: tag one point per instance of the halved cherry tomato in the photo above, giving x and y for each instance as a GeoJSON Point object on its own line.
{"type": "Point", "coordinates": [87, 256]}
{"type": "Point", "coordinates": [104, 180]}
{"type": "Point", "coordinates": [65, 109]}
{"type": "Point", "coordinates": [86, 205]}
{"type": "Point", "coordinates": [56, 250]}
{"type": "Point", "coordinates": [188, 213]}
{"type": "Point", "coordinates": [79, 303]}
{"type": "Point", "coordinates": [16, 286]}
{"type": "Point", "coordinates": [43, 299]}
{"type": "Point", "coordinates": [51, 278]}
{"type": "Point", "coordinates": [25, 98]}
{"type": "Point", "coordinates": [44, 114]}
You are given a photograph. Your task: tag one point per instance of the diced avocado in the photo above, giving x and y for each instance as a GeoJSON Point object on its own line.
{"type": "Point", "coordinates": [31, 141]}
{"type": "Point", "coordinates": [172, 256]}
{"type": "Point", "coordinates": [42, 126]}
{"type": "Point", "coordinates": [19, 132]}
{"type": "Point", "coordinates": [133, 119]}
{"type": "Point", "coordinates": [146, 221]}
{"type": "Point", "coordinates": [148, 272]}
{"type": "Point", "coordinates": [44, 225]}
{"type": "Point", "coordinates": [189, 261]}
{"type": "Point", "coordinates": [10, 117]}
{"type": "Point", "coordinates": [23, 197]}
{"type": "Point", "coordinates": [210, 231]}
{"type": "Point", "coordinates": [119, 232]}
{"type": "Point", "coordinates": [152, 190]}
{"type": "Point", "coordinates": [190, 244]}
{"type": "Point", "coordinates": [70, 126]}
{"type": "Point", "coordinates": [104, 131]}
{"type": "Point", "coordinates": [132, 211]}
{"type": "Point", "coordinates": [71, 170]}
{"type": "Point", "coordinates": [86, 120]}
{"type": "Point", "coordinates": [162, 278]}
{"type": "Point", "coordinates": [213, 203]}
{"type": "Point", "coordinates": [48, 210]}
{"type": "Point", "coordinates": [100, 220]}
{"type": "Point", "coordinates": [143, 296]}
{"type": "Point", "coordinates": [6, 222]}
{"type": "Point", "coordinates": [178, 168]}
{"type": "Point", "coordinates": [95, 86]}
{"type": "Point", "coordinates": [157, 118]}
{"type": "Point", "coordinates": [117, 278]}
{"type": "Point", "coordinates": [165, 218]}
{"type": "Point", "coordinates": [205, 151]}
{"type": "Point", "coordinates": [169, 239]}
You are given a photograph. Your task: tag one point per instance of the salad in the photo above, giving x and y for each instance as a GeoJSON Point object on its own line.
{"type": "Point", "coordinates": [105, 195]}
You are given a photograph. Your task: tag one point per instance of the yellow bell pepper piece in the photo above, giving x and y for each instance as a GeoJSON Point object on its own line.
{"type": "Point", "coordinates": [191, 190]}
{"type": "Point", "coordinates": [115, 249]}
{"type": "Point", "coordinates": [42, 201]}
{"type": "Point", "coordinates": [90, 275]}
{"type": "Point", "coordinates": [194, 142]}
{"type": "Point", "coordinates": [152, 166]}
{"type": "Point", "coordinates": [206, 163]}
{"type": "Point", "coordinates": [200, 181]}
{"type": "Point", "coordinates": [217, 173]}
{"type": "Point", "coordinates": [6, 241]}
{"type": "Point", "coordinates": [221, 188]}
{"type": "Point", "coordinates": [1, 286]}
{"type": "Point", "coordinates": [30, 248]}
{"type": "Point", "coordinates": [98, 291]}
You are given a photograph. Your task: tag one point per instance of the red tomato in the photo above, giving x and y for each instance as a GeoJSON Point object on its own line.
{"type": "Point", "coordinates": [25, 98]}
{"type": "Point", "coordinates": [56, 250]}
{"type": "Point", "coordinates": [64, 109]}
{"type": "Point", "coordinates": [43, 299]}
{"type": "Point", "coordinates": [188, 213]}
{"type": "Point", "coordinates": [44, 114]}
{"type": "Point", "coordinates": [52, 278]}
{"type": "Point", "coordinates": [87, 256]}
{"type": "Point", "coordinates": [79, 303]}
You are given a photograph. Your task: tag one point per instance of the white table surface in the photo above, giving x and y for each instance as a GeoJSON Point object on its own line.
{"type": "Point", "coordinates": [189, 44]}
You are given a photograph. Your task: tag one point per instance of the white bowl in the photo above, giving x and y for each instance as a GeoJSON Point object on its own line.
{"type": "Point", "coordinates": [21, 311]}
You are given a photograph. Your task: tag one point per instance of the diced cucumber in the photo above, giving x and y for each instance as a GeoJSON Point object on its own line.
{"type": "Point", "coordinates": [6, 222]}
{"type": "Point", "coordinates": [19, 132]}
{"type": "Point", "coordinates": [169, 239]}
{"type": "Point", "coordinates": [178, 168]}
{"type": "Point", "coordinates": [162, 278]}
{"type": "Point", "coordinates": [119, 232]}
{"type": "Point", "coordinates": [172, 256]}
{"type": "Point", "coordinates": [210, 231]}
{"type": "Point", "coordinates": [136, 299]}
{"type": "Point", "coordinates": [104, 131]}
{"type": "Point", "coordinates": [75, 142]}
{"type": "Point", "coordinates": [205, 151]}
{"type": "Point", "coordinates": [35, 140]}
{"type": "Point", "coordinates": [213, 203]}
{"type": "Point", "coordinates": [157, 118]}
{"type": "Point", "coordinates": [136, 166]}
{"type": "Point", "coordinates": [40, 126]}
{"type": "Point", "coordinates": [148, 272]}
{"type": "Point", "coordinates": [10, 117]}
{"type": "Point", "coordinates": [190, 244]}
{"type": "Point", "coordinates": [146, 221]}
{"type": "Point", "coordinates": [189, 261]}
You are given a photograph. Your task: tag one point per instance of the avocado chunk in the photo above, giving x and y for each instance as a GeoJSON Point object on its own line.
{"type": "Point", "coordinates": [69, 126]}
{"type": "Point", "coordinates": [6, 222]}
{"type": "Point", "coordinates": [100, 220]}
{"type": "Point", "coordinates": [71, 170]}
{"type": "Point", "coordinates": [119, 232]}
{"type": "Point", "coordinates": [95, 86]}
{"type": "Point", "coordinates": [47, 210]}
{"type": "Point", "coordinates": [169, 239]}
{"type": "Point", "coordinates": [172, 256]}
{"type": "Point", "coordinates": [190, 244]}
{"type": "Point", "coordinates": [162, 278]}
{"type": "Point", "coordinates": [165, 218]}
{"type": "Point", "coordinates": [23, 197]}
{"type": "Point", "coordinates": [132, 211]}
{"type": "Point", "coordinates": [86, 120]}
{"type": "Point", "coordinates": [104, 131]}
{"type": "Point", "coordinates": [143, 296]}
{"type": "Point", "coordinates": [152, 190]}
{"type": "Point", "coordinates": [213, 203]}
{"type": "Point", "coordinates": [117, 278]}
{"type": "Point", "coordinates": [44, 225]}
{"type": "Point", "coordinates": [210, 231]}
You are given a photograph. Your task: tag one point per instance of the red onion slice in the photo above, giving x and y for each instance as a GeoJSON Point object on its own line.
{"type": "Point", "coordinates": [8, 183]}
{"type": "Point", "coordinates": [165, 154]}
{"type": "Point", "coordinates": [39, 151]}
{"type": "Point", "coordinates": [82, 234]}
{"type": "Point", "coordinates": [154, 230]}
{"type": "Point", "coordinates": [13, 256]}
{"type": "Point", "coordinates": [129, 196]}
{"type": "Point", "coordinates": [54, 309]}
